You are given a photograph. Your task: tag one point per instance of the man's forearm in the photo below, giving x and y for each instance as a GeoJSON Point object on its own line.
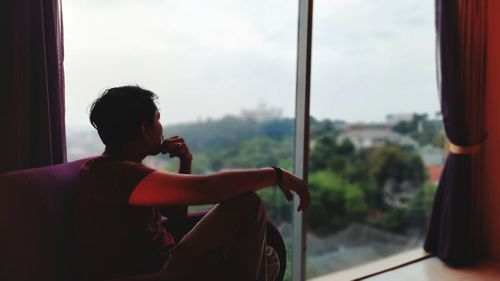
{"type": "Point", "coordinates": [178, 211]}
{"type": "Point", "coordinates": [176, 189]}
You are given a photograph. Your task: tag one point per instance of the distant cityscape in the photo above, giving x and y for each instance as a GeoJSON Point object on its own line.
{"type": "Point", "coordinates": [372, 183]}
{"type": "Point", "coordinates": [84, 142]}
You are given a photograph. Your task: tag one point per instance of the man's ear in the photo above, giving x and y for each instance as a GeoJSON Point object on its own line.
{"type": "Point", "coordinates": [145, 131]}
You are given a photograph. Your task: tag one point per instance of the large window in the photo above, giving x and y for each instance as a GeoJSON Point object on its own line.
{"type": "Point", "coordinates": [225, 73]}
{"type": "Point", "coordinates": [376, 141]}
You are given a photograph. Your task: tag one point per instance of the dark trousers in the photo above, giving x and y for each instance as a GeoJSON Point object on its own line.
{"type": "Point", "coordinates": [229, 242]}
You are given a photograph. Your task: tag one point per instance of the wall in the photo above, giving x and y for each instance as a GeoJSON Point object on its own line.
{"type": "Point", "coordinates": [491, 199]}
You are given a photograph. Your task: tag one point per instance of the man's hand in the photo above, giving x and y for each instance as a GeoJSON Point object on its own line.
{"type": "Point", "coordinates": [176, 147]}
{"type": "Point", "coordinates": [291, 183]}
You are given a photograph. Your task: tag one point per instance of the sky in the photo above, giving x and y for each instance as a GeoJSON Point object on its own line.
{"type": "Point", "coordinates": [207, 59]}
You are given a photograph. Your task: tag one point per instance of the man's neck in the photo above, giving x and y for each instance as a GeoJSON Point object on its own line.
{"type": "Point", "coordinates": [124, 153]}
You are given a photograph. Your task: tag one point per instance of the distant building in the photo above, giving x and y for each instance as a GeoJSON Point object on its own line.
{"type": "Point", "coordinates": [375, 137]}
{"type": "Point", "coordinates": [262, 113]}
{"type": "Point", "coordinates": [432, 155]}
{"type": "Point", "coordinates": [434, 173]}
{"type": "Point", "coordinates": [393, 119]}
{"type": "Point", "coordinates": [433, 158]}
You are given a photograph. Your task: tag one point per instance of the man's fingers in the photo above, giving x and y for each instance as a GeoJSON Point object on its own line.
{"type": "Point", "coordinates": [174, 139]}
{"type": "Point", "coordinates": [172, 147]}
{"type": "Point", "coordinates": [296, 185]}
{"type": "Point", "coordinates": [177, 152]}
{"type": "Point", "coordinates": [304, 195]}
{"type": "Point", "coordinates": [301, 204]}
{"type": "Point", "coordinates": [287, 192]}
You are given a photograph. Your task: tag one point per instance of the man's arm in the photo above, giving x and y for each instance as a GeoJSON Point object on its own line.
{"type": "Point", "coordinates": [181, 189]}
{"type": "Point", "coordinates": [177, 147]}
{"type": "Point", "coordinates": [159, 188]}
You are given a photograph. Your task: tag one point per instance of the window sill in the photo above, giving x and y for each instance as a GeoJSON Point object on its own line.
{"type": "Point", "coordinates": [432, 269]}
{"type": "Point", "coordinates": [376, 267]}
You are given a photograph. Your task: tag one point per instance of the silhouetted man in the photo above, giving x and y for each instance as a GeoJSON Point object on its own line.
{"type": "Point", "coordinates": [118, 219]}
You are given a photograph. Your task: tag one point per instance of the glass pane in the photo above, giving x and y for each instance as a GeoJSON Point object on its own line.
{"type": "Point", "coordinates": [224, 71]}
{"type": "Point", "coordinates": [376, 137]}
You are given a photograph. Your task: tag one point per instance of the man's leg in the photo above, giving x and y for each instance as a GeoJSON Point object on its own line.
{"type": "Point", "coordinates": [237, 229]}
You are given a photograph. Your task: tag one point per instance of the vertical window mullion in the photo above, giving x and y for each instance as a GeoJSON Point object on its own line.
{"type": "Point", "coordinates": [301, 145]}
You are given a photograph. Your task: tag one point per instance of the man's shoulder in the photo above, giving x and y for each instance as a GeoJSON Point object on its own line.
{"type": "Point", "coordinates": [105, 168]}
{"type": "Point", "coordinates": [110, 178]}
{"type": "Point", "coordinates": [106, 163]}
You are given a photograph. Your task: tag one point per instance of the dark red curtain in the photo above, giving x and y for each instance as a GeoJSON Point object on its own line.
{"type": "Point", "coordinates": [32, 124]}
{"type": "Point", "coordinates": [454, 228]}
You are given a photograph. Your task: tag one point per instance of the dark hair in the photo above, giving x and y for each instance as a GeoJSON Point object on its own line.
{"type": "Point", "coordinates": [119, 112]}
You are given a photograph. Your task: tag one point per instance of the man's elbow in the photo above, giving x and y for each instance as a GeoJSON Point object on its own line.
{"type": "Point", "coordinates": [213, 190]}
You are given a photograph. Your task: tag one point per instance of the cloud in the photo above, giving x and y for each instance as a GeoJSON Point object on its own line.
{"type": "Point", "coordinates": [209, 58]}
{"type": "Point", "coordinates": [371, 58]}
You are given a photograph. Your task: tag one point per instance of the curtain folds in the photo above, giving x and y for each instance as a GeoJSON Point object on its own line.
{"type": "Point", "coordinates": [32, 98]}
{"type": "Point", "coordinates": [461, 27]}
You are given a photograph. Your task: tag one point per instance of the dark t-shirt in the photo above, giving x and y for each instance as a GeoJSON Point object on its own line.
{"type": "Point", "coordinates": [116, 238]}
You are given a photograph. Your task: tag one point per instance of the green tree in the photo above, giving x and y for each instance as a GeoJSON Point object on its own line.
{"type": "Point", "coordinates": [334, 202]}
{"type": "Point", "coordinates": [439, 139]}
{"type": "Point", "coordinates": [327, 154]}
{"type": "Point", "coordinates": [420, 207]}
{"type": "Point", "coordinates": [320, 128]}
{"type": "Point", "coordinates": [398, 164]}
{"type": "Point", "coordinates": [360, 171]}
{"type": "Point", "coordinates": [278, 129]}
{"type": "Point", "coordinates": [326, 212]}
{"type": "Point", "coordinates": [421, 129]}
{"type": "Point", "coordinates": [354, 202]}
{"type": "Point", "coordinates": [278, 208]}
{"type": "Point", "coordinates": [393, 220]}
{"type": "Point", "coordinates": [254, 152]}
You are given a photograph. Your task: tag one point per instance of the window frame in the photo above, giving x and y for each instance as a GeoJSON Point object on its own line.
{"type": "Point", "coordinates": [301, 139]}
{"type": "Point", "coordinates": [301, 156]}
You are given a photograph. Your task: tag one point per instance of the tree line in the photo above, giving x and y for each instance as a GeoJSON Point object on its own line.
{"type": "Point", "coordinates": [347, 184]}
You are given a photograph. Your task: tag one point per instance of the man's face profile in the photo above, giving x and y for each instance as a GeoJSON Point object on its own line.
{"type": "Point", "coordinates": [156, 134]}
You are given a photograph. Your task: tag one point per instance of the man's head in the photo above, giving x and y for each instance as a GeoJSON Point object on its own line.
{"type": "Point", "coordinates": [124, 114]}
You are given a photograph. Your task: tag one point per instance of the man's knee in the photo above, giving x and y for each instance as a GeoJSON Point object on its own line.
{"type": "Point", "coordinates": [248, 198]}
{"type": "Point", "coordinates": [249, 201]}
